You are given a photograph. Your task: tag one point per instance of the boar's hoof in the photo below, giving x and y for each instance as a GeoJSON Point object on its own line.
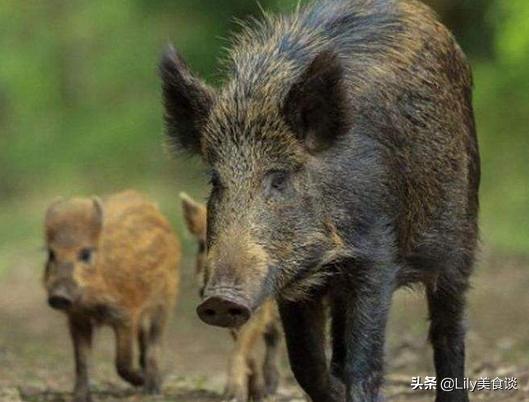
{"type": "Point", "coordinates": [223, 312]}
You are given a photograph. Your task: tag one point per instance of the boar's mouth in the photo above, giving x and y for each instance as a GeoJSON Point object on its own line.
{"type": "Point", "coordinates": [309, 278]}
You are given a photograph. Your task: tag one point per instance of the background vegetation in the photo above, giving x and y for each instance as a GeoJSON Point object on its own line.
{"type": "Point", "coordinates": [80, 105]}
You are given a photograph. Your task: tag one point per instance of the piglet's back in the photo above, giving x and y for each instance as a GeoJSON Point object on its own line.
{"type": "Point", "coordinates": [139, 253]}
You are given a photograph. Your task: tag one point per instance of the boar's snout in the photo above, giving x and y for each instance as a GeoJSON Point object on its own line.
{"type": "Point", "coordinates": [224, 311]}
{"type": "Point", "coordinates": [60, 299]}
{"type": "Point", "coordinates": [236, 269]}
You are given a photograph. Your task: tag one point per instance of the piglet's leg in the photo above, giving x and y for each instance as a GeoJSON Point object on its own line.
{"type": "Point", "coordinates": [81, 333]}
{"type": "Point", "coordinates": [239, 372]}
{"type": "Point", "coordinates": [272, 338]}
{"type": "Point", "coordinates": [256, 382]}
{"type": "Point", "coordinates": [152, 352]}
{"type": "Point", "coordinates": [125, 335]}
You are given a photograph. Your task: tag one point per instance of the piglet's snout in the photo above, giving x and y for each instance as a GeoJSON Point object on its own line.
{"type": "Point", "coordinates": [60, 299]}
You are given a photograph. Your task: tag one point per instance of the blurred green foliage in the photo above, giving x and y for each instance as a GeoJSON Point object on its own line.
{"type": "Point", "coordinates": [502, 112]}
{"type": "Point", "coordinates": [80, 105]}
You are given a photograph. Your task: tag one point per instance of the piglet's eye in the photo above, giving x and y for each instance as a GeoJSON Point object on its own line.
{"type": "Point", "coordinates": [51, 255]}
{"type": "Point", "coordinates": [85, 255]}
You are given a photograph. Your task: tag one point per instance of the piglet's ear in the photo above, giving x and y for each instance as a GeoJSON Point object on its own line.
{"type": "Point", "coordinates": [98, 213]}
{"type": "Point", "coordinates": [187, 102]}
{"type": "Point", "coordinates": [317, 106]}
{"type": "Point", "coordinates": [52, 209]}
{"type": "Point", "coordinates": [50, 216]}
{"type": "Point", "coordinates": [195, 215]}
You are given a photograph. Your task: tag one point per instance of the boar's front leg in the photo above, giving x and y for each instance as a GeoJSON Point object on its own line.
{"type": "Point", "coordinates": [125, 335]}
{"type": "Point", "coordinates": [304, 326]}
{"type": "Point", "coordinates": [371, 288]}
{"type": "Point", "coordinates": [81, 333]}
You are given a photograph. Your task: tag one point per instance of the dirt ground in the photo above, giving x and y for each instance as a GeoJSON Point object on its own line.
{"type": "Point", "coordinates": [36, 362]}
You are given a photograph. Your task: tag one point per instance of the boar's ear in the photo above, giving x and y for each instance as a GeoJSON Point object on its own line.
{"type": "Point", "coordinates": [98, 209]}
{"type": "Point", "coordinates": [187, 102]}
{"type": "Point", "coordinates": [195, 215]}
{"type": "Point", "coordinates": [317, 105]}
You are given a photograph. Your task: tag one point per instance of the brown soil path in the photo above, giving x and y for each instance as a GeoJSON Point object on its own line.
{"type": "Point", "coordinates": [36, 362]}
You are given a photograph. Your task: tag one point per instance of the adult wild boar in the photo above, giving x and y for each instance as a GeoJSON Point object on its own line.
{"type": "Point", "coordinates": [113, 263]}
{"type": "Point", "coordinates": [250, 376]}
{"type": "Point", "coordinates": [344, 163]}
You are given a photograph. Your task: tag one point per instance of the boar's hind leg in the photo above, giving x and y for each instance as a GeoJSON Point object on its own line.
{"type": "Point", "coordinates": [446, 302]}
{"type": "Point", "coordinates": [125, 336]}
{"type": "Point", "coordinates": [338, 312]}
{"type": "Point", "coordinates": [304, 325]}
{"type": "Point", "coordinates": [367, 308]}
{"type": "Point", "coordinates": [272, 338]}
{"type": "Point", "coordinates": [81, 332]}
{"type": "Point", "coordinates": [150, 339]}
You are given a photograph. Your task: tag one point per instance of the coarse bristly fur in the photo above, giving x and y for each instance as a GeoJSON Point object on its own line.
{"type": "Point", "coordinates": [113, 262]}
{"type": "Point", "coordinates": [344, 164]}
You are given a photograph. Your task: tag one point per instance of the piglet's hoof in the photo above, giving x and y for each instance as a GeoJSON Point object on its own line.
{"type": "Point", "coordinates": [271, 381]}
{"type": "Point", "coordinates": [82, 397]}
{"type": "Point", "coordinates": [152, 387]}
{"type": "Point", "coordinates": [235, 393]}
{"type": "Point", "coordinates": [258, 395]}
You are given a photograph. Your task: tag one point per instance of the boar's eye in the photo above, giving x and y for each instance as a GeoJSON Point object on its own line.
{"type": "Point", "coordinates": [201, 246]}
{"type": "Point", "coordinates": [85, 255]}
{"type": "Point", "coordinates": [214, 179]}
{"type": "Point", "coordinates": [276, 181]}
{"type": "Point", "coordinates": [51, 255]}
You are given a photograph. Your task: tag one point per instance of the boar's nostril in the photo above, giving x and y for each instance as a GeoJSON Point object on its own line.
{"type": "Point", "coordinates": [235, 311]}
{"type": "Point", "coordinates": [223, 311]}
